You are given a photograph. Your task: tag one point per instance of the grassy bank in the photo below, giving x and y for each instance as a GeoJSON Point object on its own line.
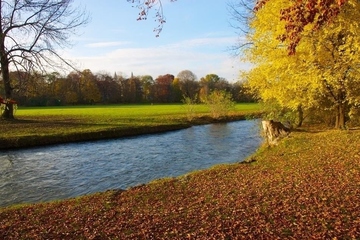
{"type": "Point", "coordinates": [50, 125]}
{"type": "Point", "coordinates": [307, 187]}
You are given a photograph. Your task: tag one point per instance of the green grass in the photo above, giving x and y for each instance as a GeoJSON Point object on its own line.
{"type": "Point", "coordinates": [123, 111]}
{"type": "Point", "coordinates": [81, 122]}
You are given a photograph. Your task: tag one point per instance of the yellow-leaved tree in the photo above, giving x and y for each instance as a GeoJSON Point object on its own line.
{"type": "Point", "coordinates": [322, 74]}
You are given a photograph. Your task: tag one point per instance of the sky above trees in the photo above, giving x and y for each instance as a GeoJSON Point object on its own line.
{"type": "Point", "coordinates": [197, 36]}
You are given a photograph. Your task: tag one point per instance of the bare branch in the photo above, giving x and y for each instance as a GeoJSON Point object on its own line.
{"type": "Point", "coordinates": [145, 6]}
{"type": "Point", "coordinates": [241, 12]}
{"type": "Point", "coordinates": [31, 31]}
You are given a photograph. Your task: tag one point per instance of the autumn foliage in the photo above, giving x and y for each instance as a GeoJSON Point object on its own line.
{"type": "Point", "coordinates": [307, 187]}
{"type": "Point", "coordinates": [322, 77]}
{"type": "Point", "coordinates": [302, 13]}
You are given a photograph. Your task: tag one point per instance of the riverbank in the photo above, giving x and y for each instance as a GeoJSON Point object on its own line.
{"type": "Point", "coordinates": [25, 141]}
{"type": "Point", "coordinates": [47, 126]}
{"type": "Point", "coordinates": [307, 187]}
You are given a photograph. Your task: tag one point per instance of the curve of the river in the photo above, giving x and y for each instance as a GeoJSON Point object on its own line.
{"type": "Point", "coordinates": [69, 170]}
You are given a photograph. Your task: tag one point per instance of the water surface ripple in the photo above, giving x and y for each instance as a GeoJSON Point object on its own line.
{"type": "Point", "coordinates": [69, 170]}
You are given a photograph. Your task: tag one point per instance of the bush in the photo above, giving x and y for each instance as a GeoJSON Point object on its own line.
{"type": "Point", "coordinates": [189, 104]}
{"type": "Point", "coordinates": [273, 111]}
{"type": "Point", "coordinates": [220, 103]}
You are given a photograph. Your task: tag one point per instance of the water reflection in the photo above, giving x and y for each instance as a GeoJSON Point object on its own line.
{"type": "Point", "coordinates": [57, 172]}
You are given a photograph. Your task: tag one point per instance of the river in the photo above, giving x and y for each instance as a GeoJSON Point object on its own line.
{"type": "Point", "coordinates": [69, 170]}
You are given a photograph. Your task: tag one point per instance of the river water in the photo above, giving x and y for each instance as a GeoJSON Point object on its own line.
{"type": "Point", "coordinates": [69, 170]}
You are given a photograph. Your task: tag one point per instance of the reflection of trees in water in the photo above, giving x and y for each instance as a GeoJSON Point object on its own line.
{"type": "Point", "coordinates": [219, 130]}
{"type": "Point", "coordinates": [219, 136]}
{"type": "Point", "coordinates": [206, 138]}
{"type": "Point", "coordinates": [189, 136]}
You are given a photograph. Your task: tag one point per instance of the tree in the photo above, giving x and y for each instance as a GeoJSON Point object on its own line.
{"type": "Point", "coordinates": [162, 88]}
{"type": "Point", "coordinates": [188, 83]}
{"type": "Point", "coordinates": [207, 85]}
{"type": "Point", "coordinates": [61, 86]}
{"type": "Point", "coordinates": [241, 93]}
{"type": "Point", "coordinates": [131, 89]}
{"type": "Point", "coordinates": [299, 14]}
{"type": "Point", "coordinates": [337, 65]}
{"type": "Point", "coordinates": [30, 31]}
{"type": "Point", "coordinates": [147, 83]}
{"type": "Point", "coordinates": [176, 91]}
{"type": "Point", "coordinates": [66, 90]}
{"type": "Point", "coordinates": [108, 87]}
{"type": "Point", "coordinates": [75, 88]}
{"type": "Point", "coordinates": [324, 66]}
{"type": "Point", "coordinates": [88, 88]}
{"type": "Point", "coordinates": [135, 91]}
{"type": "Point", "coordinates": [51, 79]}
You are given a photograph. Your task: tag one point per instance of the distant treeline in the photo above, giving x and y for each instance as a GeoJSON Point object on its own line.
{"type": "Point", "coordinates": [35, 89]}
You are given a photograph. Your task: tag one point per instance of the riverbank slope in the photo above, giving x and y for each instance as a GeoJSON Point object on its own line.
{"type": "Point", "coordinates": [56, 125]}
{"type": "Point", "coordinates": [307, 187]}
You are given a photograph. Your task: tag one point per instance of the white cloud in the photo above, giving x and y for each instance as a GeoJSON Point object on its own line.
{"type": "Point", "coordinates": [171, 58]}
{"type": "Point", "coordinates": [206, 42]}
{"type": "Point", "coordinates": [105, 44]}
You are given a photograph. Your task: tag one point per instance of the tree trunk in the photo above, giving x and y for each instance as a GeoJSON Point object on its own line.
{"type": "Point", "coordinates": [340, 116]}
{"type": "Point", "coordinates": [8, 111]}
{"type": "Point", "coordinates": [274, 131]}
{"type": "Point", "coordinates": [4, 63]}
{"type": "Point", "coordinates": [300, 116]}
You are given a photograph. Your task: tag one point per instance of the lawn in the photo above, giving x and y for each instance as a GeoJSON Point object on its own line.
{"type": "Point", "coordinates": [307, 187]}
{"type": "Point", "coordinates": [116, 112]}
{"type": "Point", "coordinates": [47, 125]}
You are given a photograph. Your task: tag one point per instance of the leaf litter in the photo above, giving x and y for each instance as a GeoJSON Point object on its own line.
{"type": "Point", "coordinates": [306, 187]}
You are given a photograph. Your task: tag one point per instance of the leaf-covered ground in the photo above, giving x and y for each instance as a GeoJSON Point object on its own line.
{"type": "Point", "coordinates": [307, 187]}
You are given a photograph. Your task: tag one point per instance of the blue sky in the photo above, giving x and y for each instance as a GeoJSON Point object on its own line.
{"type": "Point", "coordinates": [196, 37]}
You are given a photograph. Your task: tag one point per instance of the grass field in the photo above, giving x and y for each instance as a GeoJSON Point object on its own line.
{"type": "Point", "coordinates": [46, 125]}
{"type": "Point", "coordinates": [118, 112]}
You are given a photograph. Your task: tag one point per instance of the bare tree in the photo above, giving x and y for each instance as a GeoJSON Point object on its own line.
{"type": "Point", "coordinates": [30, 33]}
{"type": "Point", "coordinates": [241, 12]}
{"type": "Point", "coordinates": [188, 83]}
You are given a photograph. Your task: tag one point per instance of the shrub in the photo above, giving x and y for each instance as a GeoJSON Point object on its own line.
{"type": "Point", "coordinates": [189, 104]}
{"type": "Point", "coordinates": [220, 103]}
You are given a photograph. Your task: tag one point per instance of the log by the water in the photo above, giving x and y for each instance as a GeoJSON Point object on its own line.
{"type": "Point", "coordinates": [274, 131]}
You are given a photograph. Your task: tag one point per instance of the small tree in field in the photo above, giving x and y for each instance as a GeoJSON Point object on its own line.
{"type": "Point", "coordinates": [219, 103]}
{"type": "Point", "coordinates": [189, 104]}
{"type": "Point", "coordinates": [30, 33]}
